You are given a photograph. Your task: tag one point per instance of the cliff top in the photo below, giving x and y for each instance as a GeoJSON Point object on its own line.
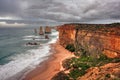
{"type": "Point", "coordinates": [112, 29]}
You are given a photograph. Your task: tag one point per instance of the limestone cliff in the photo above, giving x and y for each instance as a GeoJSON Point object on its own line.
{"type": "Point", "coordinates": [47, 29]}
{"type": "Point", "coordinates": [66, 34]}
{"type": "Point", "coordinates": [94, 38]}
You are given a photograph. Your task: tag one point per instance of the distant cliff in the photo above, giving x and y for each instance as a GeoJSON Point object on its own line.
{"type": "Point", "coordinates": [93, 38]}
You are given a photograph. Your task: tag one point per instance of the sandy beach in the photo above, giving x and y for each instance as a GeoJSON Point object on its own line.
{"type": "Point", "coordinates": [50, 67]}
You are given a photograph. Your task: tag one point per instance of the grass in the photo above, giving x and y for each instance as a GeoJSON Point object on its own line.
{"type": "Point", "coordinates": [76, 73]}
{"type": "Point", "coordinates": [78, 66]}
{"type": "Point", "coordinates": [78, 70]}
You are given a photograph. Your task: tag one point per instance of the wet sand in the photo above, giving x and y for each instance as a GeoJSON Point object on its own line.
{"type": "Point", "coordinates": [50, 67]}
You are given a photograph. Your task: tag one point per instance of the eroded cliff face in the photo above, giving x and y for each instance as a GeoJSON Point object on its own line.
{"type": "Point", "coordinates": [66, 34]}
{"type": "Point", "coordinates": [93, 39]}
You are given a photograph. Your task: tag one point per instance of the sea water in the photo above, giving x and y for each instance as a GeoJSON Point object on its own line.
{"type": "Point", "coordinates": [17, 58]}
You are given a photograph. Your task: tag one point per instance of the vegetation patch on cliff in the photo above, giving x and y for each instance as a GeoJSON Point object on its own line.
{"type": "Point", "coordinates": [61, 76]}
{"type": "Point", "coordinates": [70, 47]}
{"type": "Point", "coordinates": [78, 67]}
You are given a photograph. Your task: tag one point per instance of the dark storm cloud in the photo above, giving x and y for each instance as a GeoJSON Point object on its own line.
{"type": "Point", "coordinates": [102, 11]}
{"type": "Point", "coordinates": [40, 11]}
{"type": "Point", "coordinates": [10, 7]}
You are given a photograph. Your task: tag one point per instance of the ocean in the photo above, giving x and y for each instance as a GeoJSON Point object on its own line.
{"type": "Point", "coordinates": [17, 58]}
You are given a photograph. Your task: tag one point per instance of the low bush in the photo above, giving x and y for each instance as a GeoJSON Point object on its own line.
{"type": "Point", "coordinates": [68, 63]}
{"type": "Point", "coordinates": [70, 47]}
{"type": "Point", "coordinates": [78, 66]}
{"type": "Point", "coordinates": [78, 70]}
{"type": "Point", "coordinates": [60, 76]}
{"type": "Point", "coordinates": [75, 73]}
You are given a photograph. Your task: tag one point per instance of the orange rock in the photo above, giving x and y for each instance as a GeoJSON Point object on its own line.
{"type": "Point", "coordinates": [106, 41]}
{"type": "Point", "coordinates": [100, 73]}
{"type": "Point", "coordinates": [110, 54]}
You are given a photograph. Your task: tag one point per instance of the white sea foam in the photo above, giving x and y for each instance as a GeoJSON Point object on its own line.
{"type": "Point", "coordinates": [28, 39]}
{"type": "Point", "coordinates": [29, 36]}
{"type": "Point", "coordinates": [55, 33]}
{"type": "Point", "coordinates": [26, 61]}
{"type": "Point", "coordinates": [33, 37]}
{"type": "Point", "coordinates": [22, 61]}
{"type": "Point", "coordinates": [53, 40]}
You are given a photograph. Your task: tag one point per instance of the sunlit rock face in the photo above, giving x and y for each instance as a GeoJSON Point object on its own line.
{"type": "Point", "coordinates": [101, 73]}
{"type": "Point", "coordinates": [95, 40]}
{"type": "Point", "coordinates": [47, 29]}
{"type": "Point", "coordinates": [100, 43]}
{"type": "Point", "coordinates": [66, 34]}
{"type": "Point", "coordinates": [112, 46]}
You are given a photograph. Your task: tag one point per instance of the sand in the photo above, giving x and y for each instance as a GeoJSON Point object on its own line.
{"type": "Point", "coordinates": [50, 67]}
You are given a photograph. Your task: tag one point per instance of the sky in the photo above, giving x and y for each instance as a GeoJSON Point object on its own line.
{"type": "Point", "coordinates": [53, 12]}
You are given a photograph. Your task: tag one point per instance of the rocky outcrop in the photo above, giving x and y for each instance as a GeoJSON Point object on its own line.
{"type": "Point", "coordinates": [41, 31]}
{"type": "Point", "coordinates": [47, 29]}
{"type": "Point", "coordinates": [95, 38]}
{"type": "Point", "coordinates": [109, 71]}
{"type": "Point", "coordinates": [66, 34]}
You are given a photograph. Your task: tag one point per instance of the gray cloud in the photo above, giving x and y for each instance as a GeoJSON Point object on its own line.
{"type": "Point", "coordinates": [106, 10]}
{"type": "Point", "coordinates": [11, 8]}
{"type": "Point", "coordinates": [60, 11]}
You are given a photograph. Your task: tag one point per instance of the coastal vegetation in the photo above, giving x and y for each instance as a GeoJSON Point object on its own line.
{"type": "Point", "coordinates": [78, 67]}
{"type": "Point", "coordinates": [61, 76]}
{"type": "Point", "coordinates": [70, 47]}
{"type": "Point", "coordinates": [88, 47]}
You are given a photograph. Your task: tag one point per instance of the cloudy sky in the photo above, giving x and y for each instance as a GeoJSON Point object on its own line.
{"type": "Point", "coordinates": [49, 12]}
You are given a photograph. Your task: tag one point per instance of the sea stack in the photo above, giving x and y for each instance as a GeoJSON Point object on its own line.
{"type": "Point", "coordinates": [47, 29]}
{"type": "Point", "coordinates": [41, 31]}
{"type": "Point", "coordinates": [46, 37]}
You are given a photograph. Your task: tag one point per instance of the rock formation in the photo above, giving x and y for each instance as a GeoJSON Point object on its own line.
{"type": "Point", "coordinates": [66, 34]}
{"type": "Point", "coordinates": [41, 31]}
{"type": "Point", "coordinates": [47, 29]}
{"type": "Point", "coordinates": [109, 71]}
{"type": "Point", "coordinates": [95, 38]}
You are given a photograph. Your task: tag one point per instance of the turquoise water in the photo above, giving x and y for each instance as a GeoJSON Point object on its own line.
{"type": "Point", "coordinates": [16, 56]}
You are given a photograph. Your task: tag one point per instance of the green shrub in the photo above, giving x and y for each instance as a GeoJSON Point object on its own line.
{"type": "Point", "coordinates": [86, 59]}
{"type": "Point", "coordinates": [75, 73]}
{"type": "Point", "coordinates": [102, 57]}
{"type": "Point", "coordinates": [67, 63]}
{"type": "Point", "coordinates": [70, 47]}
{"type": "Point", "coordinates": [78, 66]}
{"type": "Point", "coordinates": [83, 66]}
{"type": "Point", "coordinates": [60, 76]}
